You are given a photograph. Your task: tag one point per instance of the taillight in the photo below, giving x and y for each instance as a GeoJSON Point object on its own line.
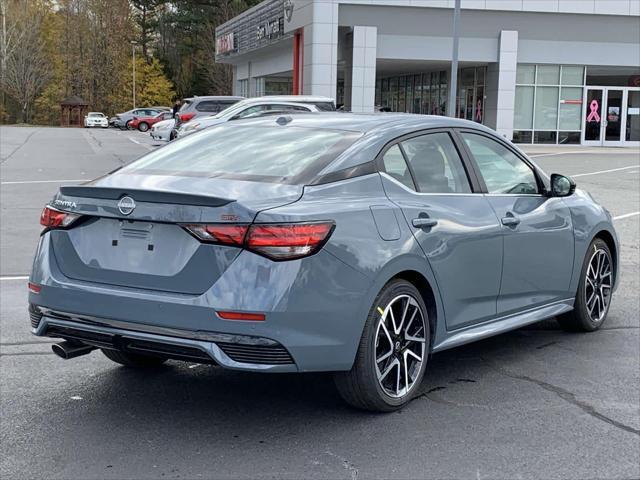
{"type": "Point", "coordinates": [226, 234]}
{"type": "Point", "coordinates": [288, 241]}
{"type": "Point", "coordinates": [52, 218]}
{"type": "Point", "coordinates": [185, 117]}
{"type": "Point", "coordinates": [275, 241]}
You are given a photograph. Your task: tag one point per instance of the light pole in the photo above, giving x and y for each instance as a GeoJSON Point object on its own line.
{"type": "Point", "coordinates": [453, 88]}
{"type": "Point", "coordinates": [133, 64]}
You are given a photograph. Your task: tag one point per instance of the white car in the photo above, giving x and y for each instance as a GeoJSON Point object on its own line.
{"type": "Point", "coordinates": [260, 106]}
{"type": "Point", "coordinates": [162, 130]}
{"type": "Point", "coordinates": [96, 119]}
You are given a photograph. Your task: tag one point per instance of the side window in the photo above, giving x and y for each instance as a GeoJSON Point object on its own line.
{"type": "Point", "coordinates": [396, 167]}
{"type": "Point", "coordinates": [436, 164]}
{"type": "Point", "coordinates": [289, 108]}
{"type": "Point", "coordinates": [251, 111]}
{"type": "Point", "coordinates": [503, 171]}
{"type": "Point", "coordinates": [208, 106]}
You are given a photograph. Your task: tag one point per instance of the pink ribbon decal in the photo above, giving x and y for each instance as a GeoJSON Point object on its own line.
{"type": "Point", "coordinates": [593, 116]}
{"type": "Point", "coordinates": [479, 111]}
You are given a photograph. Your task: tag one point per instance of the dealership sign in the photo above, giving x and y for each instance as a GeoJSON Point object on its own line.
{"type": "Point", "coordinates": [268, 29]}
{"type": "Point", "coordinates": [225, 43]}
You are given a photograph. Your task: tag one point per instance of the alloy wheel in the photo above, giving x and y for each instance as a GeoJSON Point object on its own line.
{"type": "Point", "coordinates": [400, 345]}
{"type": "Point", "coordinates": [597, 285]}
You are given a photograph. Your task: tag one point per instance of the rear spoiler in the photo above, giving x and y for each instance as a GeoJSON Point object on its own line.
{"type": "Point", "coordinates": [151, 196]}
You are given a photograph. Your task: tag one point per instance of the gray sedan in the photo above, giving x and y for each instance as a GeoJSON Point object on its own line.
{"type": "Point", "coordinates": [355, 244]}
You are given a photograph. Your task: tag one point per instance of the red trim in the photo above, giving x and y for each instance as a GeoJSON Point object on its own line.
{"type": "Point", "coordinates": [34, 288]}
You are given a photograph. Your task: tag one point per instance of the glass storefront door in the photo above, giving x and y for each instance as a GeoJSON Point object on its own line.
{"type": "Point", "coordinates": [611, 116]}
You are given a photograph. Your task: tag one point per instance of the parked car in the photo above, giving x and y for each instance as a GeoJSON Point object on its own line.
{"type": "Point", "coordinates": [162, 130]}
{"type": "Point", "coordinates": [95, 119]}
{"type": "Point", "coordinates": [353, 244]}
{"type": "Point", "coordinates": [143, 123]}
{"type": "Point", "coordinates": [122, 120]}
{"type": "Point", "coordinates": [203, 106]}
{"type": "Point", "coordinates": [258, 105]}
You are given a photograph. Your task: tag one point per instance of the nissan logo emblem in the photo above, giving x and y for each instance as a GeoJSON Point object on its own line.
{"type": "Point", "coordinates": [126, 205]}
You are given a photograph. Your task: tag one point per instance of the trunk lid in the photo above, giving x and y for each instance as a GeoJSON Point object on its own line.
{"type": "Point", "coordinates": [147, 248]}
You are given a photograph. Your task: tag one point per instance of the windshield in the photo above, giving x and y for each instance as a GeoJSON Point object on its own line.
{"type": "Point", "coordinates": [94, 114]}
{"type": "Point", "coordinates": [252, 152]}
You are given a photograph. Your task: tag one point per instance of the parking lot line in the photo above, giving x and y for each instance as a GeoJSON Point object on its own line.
{"type": "Point", "coordinates": [604, 171]}
{"type": "Point", "coordinates": [15, 277]}
{"type": "Point", "coordinates": [20, 182]}
{"type": "Point", "coordinates": [626, 215]}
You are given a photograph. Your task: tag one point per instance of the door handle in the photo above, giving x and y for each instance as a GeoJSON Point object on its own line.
{"type": "Point", "coordinates": [510, 221]}
{"type": "Point", "coordinates": [424, 222]}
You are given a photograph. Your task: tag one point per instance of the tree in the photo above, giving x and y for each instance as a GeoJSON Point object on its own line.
{"type": "Point", "coordinates": [26, 66]}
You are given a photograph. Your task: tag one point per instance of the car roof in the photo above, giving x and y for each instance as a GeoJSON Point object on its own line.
{"type": "Point", "coordinates": [293, 98]}
{"type": "Point", "coordinates": [219, 97]}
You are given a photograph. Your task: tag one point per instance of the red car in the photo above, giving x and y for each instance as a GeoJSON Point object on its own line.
{"type": "Point", "coordinates": [144, 123]}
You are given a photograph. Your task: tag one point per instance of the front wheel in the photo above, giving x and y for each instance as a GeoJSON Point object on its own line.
{"type": "Point", "coordinates": [393, 351]}
{"type": "Point", "coordinates": [133, 359]}
{"type": "Point", "coordinates": [143, 127]}
{"type": "Point", "coordinates": [594, 291]}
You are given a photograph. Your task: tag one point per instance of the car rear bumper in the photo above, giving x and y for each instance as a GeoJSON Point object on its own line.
{"type": "Point", "coordinates": [240, 352]}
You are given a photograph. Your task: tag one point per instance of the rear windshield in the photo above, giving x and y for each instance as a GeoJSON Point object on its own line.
{"type": "Point", "coordinates": [251, 152]}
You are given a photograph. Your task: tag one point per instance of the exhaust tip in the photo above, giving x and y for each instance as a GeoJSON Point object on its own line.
{"type": "Point", "coordinates": [67, 350]}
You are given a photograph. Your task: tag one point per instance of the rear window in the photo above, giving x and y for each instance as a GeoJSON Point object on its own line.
{"type": "Point", "coordinates": [213, 106]}
{"type": "Point", "coordinates": [325, 106]}
{"type": "Point", "coordinates": [250, 152]}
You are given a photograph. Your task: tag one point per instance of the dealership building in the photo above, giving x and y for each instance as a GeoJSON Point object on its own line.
{"type": "Point", "coordinates": [537, 71]}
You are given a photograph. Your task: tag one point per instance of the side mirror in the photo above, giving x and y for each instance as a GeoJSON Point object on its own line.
{"type": "Point", "coordinates": [562, 186]}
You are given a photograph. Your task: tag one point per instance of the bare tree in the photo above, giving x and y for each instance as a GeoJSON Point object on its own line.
{"type": "Point", "coordinates": [25, 66]}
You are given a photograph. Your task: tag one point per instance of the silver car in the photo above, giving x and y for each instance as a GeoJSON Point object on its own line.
{"type": "Point", "coordinates": [259, 106]}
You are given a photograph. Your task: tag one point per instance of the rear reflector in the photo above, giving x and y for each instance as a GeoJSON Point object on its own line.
{"type": "Point", "coordinates": [275, 241]}
{"type": "Point", "coordinates": [33, 288]}
{"type": "Point", "coordinates": [52, 218]}
{"type": "Point", "coordinates": [252, 317]}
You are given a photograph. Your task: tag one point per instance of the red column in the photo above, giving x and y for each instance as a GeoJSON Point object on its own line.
{"type": "Point", "coordinates": [296, 63]}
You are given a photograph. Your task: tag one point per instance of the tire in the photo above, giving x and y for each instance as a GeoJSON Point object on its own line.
{"type": "Point", "coordinates": [172, 135]}
{"type": "Point", "coordinates": [127, 126]}
{"type": "Point", "coordinates": [133, 359]}
{"type": "Point", "coordinates": [143, 127]}
{"type": "Point", "coordinates": [379, 350]}
{"type": "Point", "coordinates": [588, 313]}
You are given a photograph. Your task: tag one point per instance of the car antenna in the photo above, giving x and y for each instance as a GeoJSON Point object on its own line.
{"type": "Point", "coordinates": [283, 120]}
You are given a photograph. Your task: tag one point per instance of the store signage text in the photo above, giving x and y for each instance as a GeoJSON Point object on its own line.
{"type": "Point", "coordinates": [268, 29]}
{"type": "Point", "coordinates": [225, 43]}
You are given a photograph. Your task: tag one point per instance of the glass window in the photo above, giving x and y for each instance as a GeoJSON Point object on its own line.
{"type": "Point", "coordinates": [395, 166]}
{"type": "Point", "coordinates": [632, 133]}
{"type": "Point", "coordinates": [525, 74]}
{"type": "Point", "coordinates": [503, 171]}
{"type": "Point", "coordinates": [548, 75]}
{"type": "Point", "coordinates": [546, 111]}
{"type": "Point", "coordinates": [565, 138]}
{"type": "Point", "coordinates": [250, 111]}
{"type": "Point", "coordinates": [522, 136]}
{"type": "Point", "coordinates": [572, 75]}
{"type": "Point", "coordinates": [251, 152]}
{"type": "Point", "coordinates": [544, 137]}
{"type": "Point", "coordinates": [570, 108]}
{"type": "Point", "coordinates": [436, 164]}
{"type": "Point", "coordinates": [523, 114]}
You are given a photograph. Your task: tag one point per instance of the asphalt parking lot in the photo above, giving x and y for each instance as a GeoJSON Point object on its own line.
{"type": "Point", "coordinates": [533, 403]}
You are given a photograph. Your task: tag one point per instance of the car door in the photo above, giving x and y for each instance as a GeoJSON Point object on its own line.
{"type": "Point", "coordinates": [537, 229]}
{"type": "Point", "coordinates": [457, 229]}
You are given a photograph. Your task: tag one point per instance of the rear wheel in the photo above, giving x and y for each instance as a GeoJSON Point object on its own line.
{"type": "Point", "coordinates": [143, 127]}
{"type": "Point", "coordinates": [393, 351]}
{"type": "Point", "coordinates": [133, 359]}
{"type": "Point", "coordinates": [594, 291]}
